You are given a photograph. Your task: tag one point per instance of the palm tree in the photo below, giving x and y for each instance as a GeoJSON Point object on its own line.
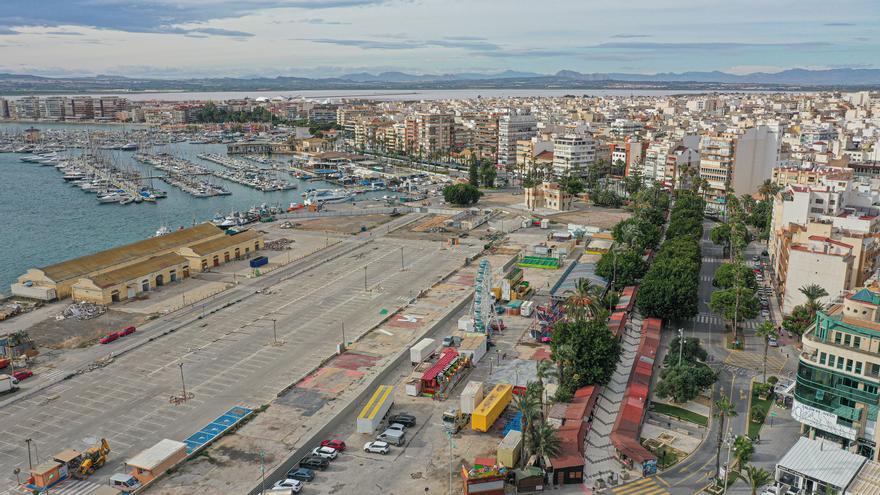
{"type": "Point", "coordinates": [528, 407]}
{"type": "Point", "coordinates": [544, 370]}
{"type": "Point", "coordinates": [723, 410]}
{"type": "Point", "coordinates": [563, 355]}
{"type": "Point", "coordinates": [586, 300]}
{"type": "Point", "coordinates": [768, 189]}
{"type": "Point", "coordinates": [766, 331]}
{"type": "Point", "coordinates": [755, 477]}
{"type": "Point", "coordinates": [813, 293]}
{"type": "Point", "coordinates": [545, 440]}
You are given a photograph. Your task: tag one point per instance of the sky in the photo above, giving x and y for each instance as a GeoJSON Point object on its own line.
{"type": "Point", "coordinates": [327, 38]}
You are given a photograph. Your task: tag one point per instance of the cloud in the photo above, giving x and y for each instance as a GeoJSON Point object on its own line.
{"type": "Point", "coordinates": [405, 44]}
{"type": "Point", "coordinates": [464, 38]}
{"type": "Point", "coordinates": [539, 53]}
{"type": "Point", "coordinates": [221, 32]}
{"type": "Point", "coordinates": [6, 30]}
{"type": "Point", "coordinates": [148, 16]}
{"type": "Point", "coordinates": [838, 24]}
{"type": "Point", "coordinates": [323, 22]}
{"type": "Point", "coordinates": [710, 46]}
{"type": "Point", "coordinates": [628, 36]}
{"type": "Point", "coordinates": [63, 33]}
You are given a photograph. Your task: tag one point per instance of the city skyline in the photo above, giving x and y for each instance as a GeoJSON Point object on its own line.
{"type": "Point", "coordinates": [327, 38]}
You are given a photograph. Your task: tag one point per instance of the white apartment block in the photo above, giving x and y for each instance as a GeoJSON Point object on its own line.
{"type": "Point", "coordinates": [572, 154]}
{"type": "Point", "coordinates": [517, 125]}
{"type": "Point", "coordinates": [738, 162]}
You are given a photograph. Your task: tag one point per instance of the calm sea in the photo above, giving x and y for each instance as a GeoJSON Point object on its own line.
{"type": "Point", "coordinates": [44, 220]}
{"type": "Point", "coordinates": [398, 95]}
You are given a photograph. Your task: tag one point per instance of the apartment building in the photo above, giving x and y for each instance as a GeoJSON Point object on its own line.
{"type": "Point", "coordinates": [516, 125]}
{"type": "Point", "coordinates": [53, 108]}
{"type": "Point", "coordinates": [666, 159]}
{"type": "Point", "coordinates": [547, 195]}
{"type": "Point", "coordinates": [836, 392]}
{"type": "Point", "coordinates": [430, 133]}
{"type": "Point", "coordinates": [528, 151]}
{"type": "Point", "coordinates": [27, 108]}
{"type": "Point", "coordinates": [573, 154]}
{"type": "Point", "coordinates": [827, 235]}
{"type": "Point", "coordinates": [738, 162]}
{"type": "Point", "coordinates": [80, 108]}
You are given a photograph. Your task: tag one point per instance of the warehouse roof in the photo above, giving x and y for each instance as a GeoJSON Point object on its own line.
{"type": "Point", "coordinates": [220, 243]}
{"type": "Point", "coordinates": [78, 267]}
{"type": "Point", "coordinates": [822, 461]}
{"type": "Point", "coordinates": [137, 270]}
{"type": "Point", "coordinates": [150, 458]}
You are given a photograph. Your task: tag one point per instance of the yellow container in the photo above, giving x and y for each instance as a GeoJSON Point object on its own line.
{"type": "Point", "coordinates": [488, 411]}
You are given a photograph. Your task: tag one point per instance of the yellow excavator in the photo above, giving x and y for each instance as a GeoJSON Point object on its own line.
{"type": "Point", "coordinates": [92, 459]}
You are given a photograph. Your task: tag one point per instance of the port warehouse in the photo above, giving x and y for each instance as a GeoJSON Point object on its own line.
{"type": "Point", "coordinates": [124, 272]}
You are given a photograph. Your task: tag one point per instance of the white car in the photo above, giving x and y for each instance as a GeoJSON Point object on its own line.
{"type": "Point", "coordinates": [325, 452]}
{"type": "Point", "coordinates": [397, 427]}
{"type": "Point", "coordinates": [377, 447]}
{"type": "Point", "coordinates": [772, 490]}
{"type": "Point", "coordinates": [772, 342]}
{"type": "Point", "coordinates": [295, 485]}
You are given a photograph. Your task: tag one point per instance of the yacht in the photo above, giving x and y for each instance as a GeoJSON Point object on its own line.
{"type": "Point", "coordinates": [163, 230]}
{"type": "Point", "coordinates": [112, 197]}
{"type": "Point", "coordinates": [320, 196]}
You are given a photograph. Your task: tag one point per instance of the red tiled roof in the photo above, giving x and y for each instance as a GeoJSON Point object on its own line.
{"type": "Point", "coordinates": [447, 357]}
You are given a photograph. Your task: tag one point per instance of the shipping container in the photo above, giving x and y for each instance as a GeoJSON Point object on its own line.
{"type": "Point", "coordinates": [474, 347]}
{"type": "Point", "coordinates": [471, 396]}
{"type": "Point", "coordinates": [466, 323]}
{"type": "Point", "coordinates": [6, 384]}
{"type": "Point", "coordinates": [413, 387]}
{"type": "Point", "coordinates": [492, 406]}
{"type": "Point", "coordinates": [259, 261]}
{"type": "Point", "coordinates": [526, 308]}
{"type": "Point", "coordinates": [509, 449]}
{"type": "Point", "coordinates": [422, 350]}
{"type": "Point", "coordinates": [376, 409]}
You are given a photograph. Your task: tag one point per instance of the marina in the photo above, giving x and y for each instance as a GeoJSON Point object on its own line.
{"type": "Point", "coordinates": [183, 174]}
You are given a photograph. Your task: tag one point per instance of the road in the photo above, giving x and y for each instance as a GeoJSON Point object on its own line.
{"type": "Point", "coordinates": [735, 374]}
{"type": "Point", "coordinates": [229, 357]}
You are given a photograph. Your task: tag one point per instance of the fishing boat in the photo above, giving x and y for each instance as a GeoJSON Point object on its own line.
{"type": "Point", "coordinates": [321, 196]}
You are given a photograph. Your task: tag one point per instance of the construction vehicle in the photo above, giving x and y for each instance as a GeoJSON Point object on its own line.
{"type": "Point", "coordinates": [90, 460]}
{"type": "Point", "coordinates": [454, 420]}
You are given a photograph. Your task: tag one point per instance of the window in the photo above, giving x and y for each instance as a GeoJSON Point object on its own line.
{"type": "Point", "coordinates": [858, 367]}
{"type": "Point", "coordinates": [849, 382]}
{"type": "Point", "coordinates": [847, 340]}
{"type": "Point", "coordinates": [847, 402]}
{"type": "Point", "coordinates": [871, 389]}
{"type": "Point", "coordinates": [840, 363]}
{"type": "Point", "coordinates": [820, 201]}
{"type": "Point", "coordinates": [875, 369]}
{"type": "Point", "coordinates": [831, 360]}
{"type": "Point", "coordinates": [837, 336]}
{"type": "Point", "coordinates": [857, 342]}
{"type": "Point", "coordinates": [849, 365]}
{"type": "Point", "coordinates": [822, 357]}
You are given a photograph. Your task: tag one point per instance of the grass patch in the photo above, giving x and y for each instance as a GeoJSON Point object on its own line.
{"type": "Point", "coordinates": [680, 413]}
{"type": "Point", "coordinates": [764, 406]}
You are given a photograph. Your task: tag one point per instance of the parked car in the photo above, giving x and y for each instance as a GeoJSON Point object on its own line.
{"type": "Point", "coordinates": [338, 445]}
{"type": "Point", "coordinates": [755, 258]}
{"type": "Point", "coordinates": [22, 374]}
{"type": "Point", "coordinates": [302, 474]}
{"type": "Point", "coordinates": [126, 331]}
{"type": "Point", "coordinates": [312, 462]}
{"type": "Point", "coordinates": [110, 337]}
{"type": "Point", "coordinates": [497, 325]}
{"type": "Point", "coordinates": [295, 485]}
{"type": "Point", "coordinates": [377, 447]}
{"type": "Point", "coordinates": [771, 490]}
{"type": "Point", "coordinates": [772, 342]}
{"type": "Point", "coordinates": [325, 452]}
{"type": "Point", "coordinates": [397, 427]}
{"type": "Point", "coordinates": [407, 420]}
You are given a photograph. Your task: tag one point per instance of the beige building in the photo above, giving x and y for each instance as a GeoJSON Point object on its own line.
{"type": "Point", "coordinates": [547, 195]}
{"type": "Point", "coordinates": [125, 271]}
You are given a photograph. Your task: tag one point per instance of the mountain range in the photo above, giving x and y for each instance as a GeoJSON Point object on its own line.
{"type": "Point", "coordinates": [793, 79]}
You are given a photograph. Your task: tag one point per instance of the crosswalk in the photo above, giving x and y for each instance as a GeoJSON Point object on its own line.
{"type": "Point", "coordinates": [713, 319]}
{"type": "Point", "coordinates": [755, 361]}
{"type": "Point", "coordinates": [74, 487]}
{"type": "Point", "coordinates": [644, 486]}
{"type": "Point", "coordinates": [714, 260]}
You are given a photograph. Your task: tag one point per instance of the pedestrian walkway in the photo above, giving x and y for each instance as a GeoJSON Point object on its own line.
{"type": "Point", "coordinates": [599, 452]}
{"type": "Point", "coordinates": [74, 487]}
{"type": "Point", "coordinates": [755, 361]}
{"type": "Point", "coordinates": [644, 486]}
{"type": "Point", "coordinates": [713, 319]}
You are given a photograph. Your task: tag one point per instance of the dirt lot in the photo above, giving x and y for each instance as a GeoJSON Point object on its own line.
{"type": "Point", "coordinates": [343, 225]}
{"type": "Point", "coordinates": [604, 218]}
{"type": "Point", "coordinates": [71, 333]}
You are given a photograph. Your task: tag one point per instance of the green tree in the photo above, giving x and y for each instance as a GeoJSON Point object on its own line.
{"type": "Point", "coordinates": [685, 382]}
{"type": "Point", "coordinates": [529, 408]}
{"type": "Point", "coordinates": [735, 274]}
{"type": "Point", "coordinates": [606, 198]}
{"type": "Point", "coordinates": [669, 289]}
{"type": "Point", "coordinates": [723, 409]}
{"type": "Point", "coordinates": [755, 478]}
{"type": "Point", "coordinates": [545, 441]}
{"type": "Point", "coordinates": [585, 301]}
{"type": "Point", "coordinates": [543, 371]}
{"type": "Point", "coordinates": [461, 194]}
{"type": "Point", "coordinates": [595, 351]}
{"type": "Point", "coordinates": [623, 267]}
{"type": "Point", "coordinates": [563, 355]}
{"type": "Point", "coordinates": [743, 450]}
{"type": "Point", "coordinates": [720, 235]}
{"type": "Point", "coordinates": [798, 320]}
{"type": "Point", "coordinates": [633, 182]}
{"type": "Point", "coordinates": [572, 185]}
{"type": "Point", "coordinates": [766, 331]}
{"type": "Point", "coordinates": [488, 174]}
{"type": "Point", "coordinates": [735, 305]}
{"type": "Point", "coordinates": [473, 172]}
{"type": "Point", "coordinates": [637, 232]}
{"type": "Point", "coordinates": [813, 293]}
{"type": "Point", "coordinates": [691, 352]}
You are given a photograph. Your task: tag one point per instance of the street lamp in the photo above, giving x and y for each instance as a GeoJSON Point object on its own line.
{"type": "Point", "coordinates": [182, 382]}
{"type": "Point", "coordinates": [680, 344]}
{"type": "Point", "coordinates": [365, 278]}
{"type": "Point", "coordinates": [30, 462]}
{"type": "Point", "coordinates": [274, 332]}
{"type": "Point", "coordinates": [730, 439]}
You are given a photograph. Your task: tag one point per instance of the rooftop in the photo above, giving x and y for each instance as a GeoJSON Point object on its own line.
{"type": "Point", "coordinates": [150, 458]}
{"type": "Point", "coordinates": [823, 461]}
{"type": "Point", "coordinates": [137, 270]}
{"type": "Point", "coordinates": [218, 243]}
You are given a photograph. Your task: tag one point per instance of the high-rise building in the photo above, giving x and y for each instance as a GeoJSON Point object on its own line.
{"type": "Point", "coordinates": [108, 106]}
{"type": "Point", "coordinates": [738, 162]}
{"type": "Point", "coordinates": [4, 108]}
{"type": "Point", "coordinates": [53, 108]}
{"type": "Point", "coordinates": [516, 125]}
{"type": "Point", "coordinates": [430, 132]}
{"type": "Point", "coordinates": [81, 108]}
{"type": "Point", "coordinates": [27, 108]}
{"type": "Point", "coordinates": [836, 393]}
{"type": "Point", "coordinates": [572, 154]}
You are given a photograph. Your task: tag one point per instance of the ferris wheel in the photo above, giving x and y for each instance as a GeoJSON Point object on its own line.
{"type": "Point", "coordinates": [484, 302]}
